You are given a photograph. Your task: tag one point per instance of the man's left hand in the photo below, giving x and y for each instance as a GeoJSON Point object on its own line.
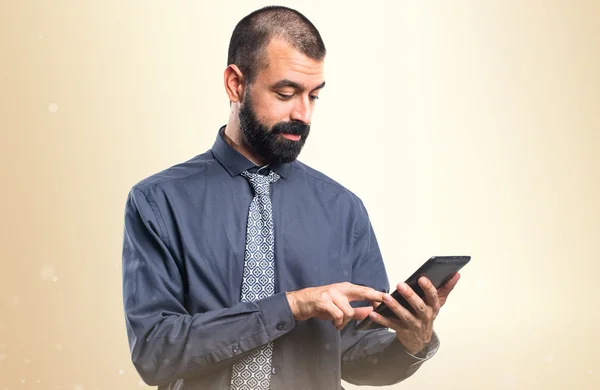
{"type": "Point", "coordinates": [414, 331]}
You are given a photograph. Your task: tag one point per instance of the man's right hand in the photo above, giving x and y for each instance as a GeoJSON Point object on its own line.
{"type": "Point", "coordinates": [332, 302]}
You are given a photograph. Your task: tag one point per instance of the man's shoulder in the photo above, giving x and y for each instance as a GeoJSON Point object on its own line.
{"type": "Point", "coordinates": [189, 170]}
{"type": "Point", "coordinates": [331, 184]}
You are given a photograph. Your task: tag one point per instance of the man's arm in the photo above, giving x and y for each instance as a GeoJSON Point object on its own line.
{"type": "Point", "coordinates": [166, 342]}
{"type": "Point", "coordinates": [375, 357]}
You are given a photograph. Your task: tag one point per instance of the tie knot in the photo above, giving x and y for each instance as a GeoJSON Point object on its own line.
{"type": "Point", "coordinates": [261, 183]}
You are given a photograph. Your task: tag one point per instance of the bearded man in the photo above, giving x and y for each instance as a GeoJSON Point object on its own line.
{"type": "Point", "coordinates": [244, 268]}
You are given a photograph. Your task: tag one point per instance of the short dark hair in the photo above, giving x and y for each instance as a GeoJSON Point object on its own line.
{"type": "Point", "coordinates": [252, 34]}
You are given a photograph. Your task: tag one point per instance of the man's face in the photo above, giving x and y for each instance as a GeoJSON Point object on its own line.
{"type": "Point", "coordinates": [277, 108]}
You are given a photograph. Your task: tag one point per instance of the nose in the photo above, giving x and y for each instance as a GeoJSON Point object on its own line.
{"type": "Point", "coordinates": [302, 111]}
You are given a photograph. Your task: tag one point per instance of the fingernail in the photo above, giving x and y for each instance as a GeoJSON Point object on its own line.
{"type": "Point", "coordinates": [387, 298]}
{"type": "Point", "coordinates": [373, 315]}
{"type": "Point", "coordinates": [423, 281]}
{"type": "Point", "coordinates": [403, 287]}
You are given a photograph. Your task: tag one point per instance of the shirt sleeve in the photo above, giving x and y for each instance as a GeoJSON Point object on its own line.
{"type": "Point", "coordinates": [375, 357]}
{"type": "Point", "coordinates": [166, 342]}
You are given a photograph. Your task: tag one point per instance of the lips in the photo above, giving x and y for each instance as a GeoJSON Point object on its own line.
{"type": "Point", "coordinates": [291, 137]}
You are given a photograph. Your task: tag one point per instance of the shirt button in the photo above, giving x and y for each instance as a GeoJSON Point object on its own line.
{"type": "Point", "coordinates": [235, 349]}
{"type": "Point", "coordinates": [274, 370]}
{"type": "Point", "coordinates": [279, 325]}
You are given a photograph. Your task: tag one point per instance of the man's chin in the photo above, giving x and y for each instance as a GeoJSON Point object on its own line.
{"type": "Point", "coordinates": [285, 158]}
{"type": "Point", "coordinates": [278, 149]}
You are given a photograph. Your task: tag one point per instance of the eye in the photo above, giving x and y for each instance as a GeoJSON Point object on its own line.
{"type": "Point", "coordinates": [284, 96]}
{"type": "Point", "coordinates": [314, 97]}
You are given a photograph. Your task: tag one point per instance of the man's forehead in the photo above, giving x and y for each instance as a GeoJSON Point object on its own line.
{"type": "Point", "coordinates": [286, 62]}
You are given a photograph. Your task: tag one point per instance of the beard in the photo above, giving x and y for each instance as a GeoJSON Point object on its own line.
{"type": "Point", "coordinates": [267, 142]}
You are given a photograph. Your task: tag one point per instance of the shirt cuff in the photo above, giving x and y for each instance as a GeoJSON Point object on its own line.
{"type": "Point", "coordinates": [276, 315]}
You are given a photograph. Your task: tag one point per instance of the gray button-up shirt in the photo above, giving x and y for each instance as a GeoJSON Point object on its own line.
{"type": "Point", "coordinates": [183, 258]}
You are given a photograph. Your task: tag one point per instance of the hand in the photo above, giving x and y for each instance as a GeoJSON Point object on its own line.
{"type": "Point", "coordinates": [415, 331]}
{"type": "Point", "coordinates": [332, 302]}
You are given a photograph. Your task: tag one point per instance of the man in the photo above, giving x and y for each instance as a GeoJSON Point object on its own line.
{"type": "Point", "coordinates": [244, 268]}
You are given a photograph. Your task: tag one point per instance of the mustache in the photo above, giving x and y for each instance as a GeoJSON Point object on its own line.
{"type": "Point", "coordinates": [295, 128]}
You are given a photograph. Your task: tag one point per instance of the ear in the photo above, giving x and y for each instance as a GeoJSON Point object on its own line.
{"type": "Point", "coordinates": [234, 83]}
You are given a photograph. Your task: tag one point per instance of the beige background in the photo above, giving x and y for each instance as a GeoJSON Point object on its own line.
{"type": "Point", "coordinates": [467, 127]}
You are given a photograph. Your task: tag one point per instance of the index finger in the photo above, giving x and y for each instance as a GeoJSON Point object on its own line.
{"type": "Point", "coordinates": [355, 292]}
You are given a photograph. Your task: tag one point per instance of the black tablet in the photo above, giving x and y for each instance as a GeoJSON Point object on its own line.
{"type": "Point", "coordinates": [438, 269]}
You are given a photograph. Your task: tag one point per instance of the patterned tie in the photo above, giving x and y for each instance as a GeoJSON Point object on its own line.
{"type": "Point", "coordinates": [254, 371]}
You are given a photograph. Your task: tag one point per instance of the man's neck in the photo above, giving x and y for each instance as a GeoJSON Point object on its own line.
{"type": "Point", "coordinates": [233, 137]}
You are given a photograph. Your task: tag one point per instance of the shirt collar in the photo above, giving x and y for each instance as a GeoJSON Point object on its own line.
{"type": "Point", "coordinates": [235, 163]}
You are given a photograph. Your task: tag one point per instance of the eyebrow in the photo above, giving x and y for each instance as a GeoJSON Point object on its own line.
{"type": "Point", "coordinates": [291, 84]}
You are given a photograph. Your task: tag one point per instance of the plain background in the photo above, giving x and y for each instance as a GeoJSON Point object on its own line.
{"type": "Point", "coordinates": [466, 126]}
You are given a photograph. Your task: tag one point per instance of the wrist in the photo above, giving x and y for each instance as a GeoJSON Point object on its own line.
{"type": "Point", "coordinates": [418, 351]}
{"type": "Point", "coordinates": [415, 350]}
{"type": "Point", "coordinates": [291, 297]}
